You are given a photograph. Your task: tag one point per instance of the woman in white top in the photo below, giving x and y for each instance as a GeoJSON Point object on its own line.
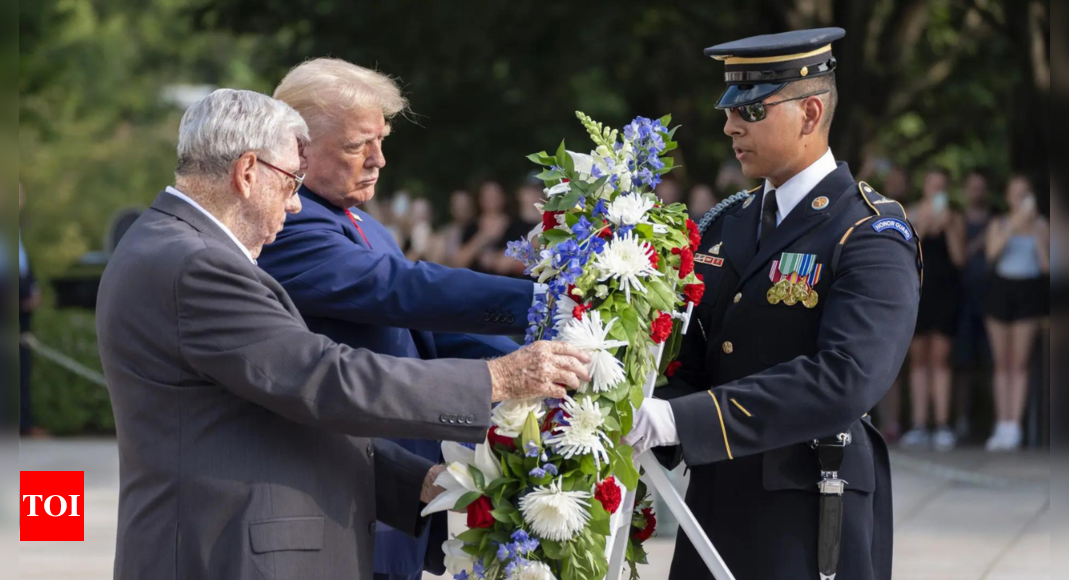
{"type": "Point", "coordinates": [1018, 247]}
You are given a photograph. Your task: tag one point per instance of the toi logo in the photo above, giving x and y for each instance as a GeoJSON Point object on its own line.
{"type": "Point", "coordinates": [53, 506]}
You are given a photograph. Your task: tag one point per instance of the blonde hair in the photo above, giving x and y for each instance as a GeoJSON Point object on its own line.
{"type": "Point", "coordinates": [325, 88]}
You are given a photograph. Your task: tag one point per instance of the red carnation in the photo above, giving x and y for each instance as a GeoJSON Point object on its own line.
{"type": "Point", "coordinates": [608, 493]}
{"type": "Point", "coordinates": [479, 516]}
{"type": "Point", "coordinates": [606, 232]}
{"type": "Point", "coordinates": [694, 235]}
{"type": "Point", "coordinates": [547, 424]}
{"type": "Point", "coordinates": [694, 292]}
{"type": "Point", "coordinates": [655, 260]}
{"type": "Point", "coordinates": [549, 220]}
{"type": "Point", "coordinates": [650, 529]}
{"type": "Point", "coordinates": [495, 439]}
{"type": "Point", "coordinates": [578, 311]}
{"type": "Point", "coordinates": [673, 368]}
{"type": "Point", "coordinates": [686, 266]}
{"type": "Point", "coordinates": [661, 328]}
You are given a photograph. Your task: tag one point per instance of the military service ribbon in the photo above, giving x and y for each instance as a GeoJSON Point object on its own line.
{"type": "Point", "coordinates": [794, 277]}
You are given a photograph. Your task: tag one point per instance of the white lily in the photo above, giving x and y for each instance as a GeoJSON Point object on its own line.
{"type": "Point", "coordinates": [456, 479]}
{"type": "Point", "coordinates": [456, 559]}
{"type": "Point", "coordinates": [559, 189]}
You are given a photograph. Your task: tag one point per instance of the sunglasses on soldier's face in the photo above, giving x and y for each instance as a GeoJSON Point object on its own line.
{"type": "Point", "coordinates": [757, 112]}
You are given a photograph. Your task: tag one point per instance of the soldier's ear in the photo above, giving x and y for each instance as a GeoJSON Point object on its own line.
{"type": "Point", "coordinates": [813, 109]}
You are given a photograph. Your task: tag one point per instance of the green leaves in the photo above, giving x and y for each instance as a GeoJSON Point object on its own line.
{"type": "Point", "coordinates": [623, 466]}
{"type": "Point", "coordinates": [466, 500]}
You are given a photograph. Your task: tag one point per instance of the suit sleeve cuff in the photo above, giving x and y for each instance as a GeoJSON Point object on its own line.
{"type": "Point", "coordinates": [399, 477]}
{"type": "Point", "coordinates": [702, 430]}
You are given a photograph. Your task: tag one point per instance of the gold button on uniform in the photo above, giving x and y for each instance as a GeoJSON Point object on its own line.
{"type": "Point", "coordinates": [729, 348]}
{"type": "Point", "coordinates": [738, 298]}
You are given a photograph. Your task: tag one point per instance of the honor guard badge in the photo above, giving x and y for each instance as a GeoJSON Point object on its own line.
{"type": "Point", "coordinates": [794, 277]}
{"type": "Point", "coordinates": [716, 249]}
{"type": "Point", "coordinates": [708, 260]}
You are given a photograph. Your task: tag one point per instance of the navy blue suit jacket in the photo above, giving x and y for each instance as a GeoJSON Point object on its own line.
{"type": "Point", "coordinates": [375, 298]}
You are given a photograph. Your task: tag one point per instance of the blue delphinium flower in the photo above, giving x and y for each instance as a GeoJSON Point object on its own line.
{"type": "Point", "coordinates": [503, 553]}
{"type": "Point", "coordinates": [601, 208]}
{"type": "Point", "coordinates": [532, 449]}
{"type": "Point", "coordinates": [537, 473]}
{"type": "Point", "coordinates": [583, 228]}
{"type": "Point", "coordinates": [463, 575]}
{"type": "Point", "coordinates": [550, 469]}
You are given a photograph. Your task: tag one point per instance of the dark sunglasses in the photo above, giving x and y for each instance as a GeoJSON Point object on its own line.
{"type": "Point", "coordinates": [757, 112]}
{"type": "Point", "coordinates": [298, 180]}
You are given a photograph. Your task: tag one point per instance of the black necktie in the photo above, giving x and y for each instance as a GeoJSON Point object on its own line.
{"type": "Point", "coordinates": [768, 215]}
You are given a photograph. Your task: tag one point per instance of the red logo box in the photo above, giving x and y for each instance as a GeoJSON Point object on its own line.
{"type": "Point", "coordinates": [52, 506]}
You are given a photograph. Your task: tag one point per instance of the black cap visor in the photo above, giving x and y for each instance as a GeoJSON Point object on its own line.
{"type": "Point", "coordinates": [742, 95]}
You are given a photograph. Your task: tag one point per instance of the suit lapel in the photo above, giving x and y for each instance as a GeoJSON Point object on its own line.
{"type": "Point", "coordinates": [740, 234]}
{"type": "Point", "coordinates": [801, 220]}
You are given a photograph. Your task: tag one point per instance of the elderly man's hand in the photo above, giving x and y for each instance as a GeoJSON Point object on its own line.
{"type": "Point", "coordinates": [543, 369]}
{"type": "Point", "coordinates": [430, 491]}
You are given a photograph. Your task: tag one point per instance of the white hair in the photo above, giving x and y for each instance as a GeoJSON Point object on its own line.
{"type": "Point", "coordinates": [227, 124]}
{"type": "Point", "coordinates": [325, 88]}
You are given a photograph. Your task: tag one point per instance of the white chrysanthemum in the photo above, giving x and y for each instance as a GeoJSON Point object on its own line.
{"type": "Point", "coordinates": [629, 210]}
{"type": "Point", "coordinates": [456, 559]}
{"type": "Point", "coordinates": [606, 371]}
{"type": "Point", "coordinates": [626, 260]}
{"type": "Point", "coordinates": [510, 416]}
{"type": "Point", "coordinates": [583, 435]}
{"type": "Point", "coordinates": [564, 312]}
{"type": "Point", "coordinates": [554, 514]}
{"type": "Point", "coordinates": [533, 571]}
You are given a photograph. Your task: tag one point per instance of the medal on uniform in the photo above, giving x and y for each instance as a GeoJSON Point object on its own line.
{"type": "Point", "coordinates": [794, 277]}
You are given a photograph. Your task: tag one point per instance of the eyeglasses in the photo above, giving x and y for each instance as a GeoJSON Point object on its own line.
{"type": "Point", "coordinates": [298, 180]}
{"type": "Point", "coordinates": [757, 112]}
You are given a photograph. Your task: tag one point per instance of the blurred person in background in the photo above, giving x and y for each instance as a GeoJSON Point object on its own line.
{"type": "Point", "coordinates": [896, 187]}
{"type": "Point", "coordinates": [669, 190]}
{"type": "Point", "coordinates": [527, 219]}
{"type": "Point", "coordinates": [730, 179]}
{"type": "Point", "coordinates": [942, 232]}
{"type": "Point", "coordinates": [29, 301]}
{"type": "Point", "coordinates": [7, 348]}
{"type": "Point", "coordinates": [451, 235]}
{"type": "Point", "coordinates": [483, 237]}
{"type": "Point", "coordinates": [1018, 245]}
{"type": "Point", "coordinates": [972, 348]}
{"type": "Point", "coordinates": [702, 198]}
{"type": "Point", "coordinates": [419, 232]}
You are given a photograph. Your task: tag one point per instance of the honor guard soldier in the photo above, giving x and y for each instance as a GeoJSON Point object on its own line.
{"type": "Point", "coordinates": [812, 289]}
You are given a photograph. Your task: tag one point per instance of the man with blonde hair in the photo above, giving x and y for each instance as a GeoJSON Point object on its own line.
{"type": "Point", "coordinates": [351, 281]}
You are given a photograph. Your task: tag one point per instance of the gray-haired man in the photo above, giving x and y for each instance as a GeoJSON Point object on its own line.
{"type": "Point", "coordinates": [241, 432]}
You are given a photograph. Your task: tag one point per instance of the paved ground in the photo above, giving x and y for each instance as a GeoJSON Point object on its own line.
{"type": "Point", "coordinates": [965, 516]}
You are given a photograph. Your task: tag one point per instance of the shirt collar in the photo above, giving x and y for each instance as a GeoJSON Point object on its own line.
{"type": "Point", "coordinates": [794, 190]}
{"type": "Point", "coordinates": [223, 227]}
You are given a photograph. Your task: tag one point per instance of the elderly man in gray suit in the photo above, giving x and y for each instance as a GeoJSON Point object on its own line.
{"type": "Point", "coordinates": [242, 435]}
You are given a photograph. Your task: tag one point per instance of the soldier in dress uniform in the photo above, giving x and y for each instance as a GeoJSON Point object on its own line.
{"type": "Point", "coordinates": [812, 290]}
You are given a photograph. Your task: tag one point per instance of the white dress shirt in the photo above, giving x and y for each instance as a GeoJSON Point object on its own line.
{"type": "Point", "coordinates": [223, 227]}
{"type": "Point", "coordinates": [794, 190]}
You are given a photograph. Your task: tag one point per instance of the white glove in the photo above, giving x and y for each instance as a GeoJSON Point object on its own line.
{"type": "Point", "coordinates": [655, 426]}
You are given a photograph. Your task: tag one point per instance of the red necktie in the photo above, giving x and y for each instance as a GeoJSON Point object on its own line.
{"type": "Point", "coordinates": [356, 223]}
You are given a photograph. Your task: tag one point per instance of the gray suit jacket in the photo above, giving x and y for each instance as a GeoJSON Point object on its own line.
{"type": "Point", "coordinates": [242, 434]}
